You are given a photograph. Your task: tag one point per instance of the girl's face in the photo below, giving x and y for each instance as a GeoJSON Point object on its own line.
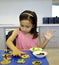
{"type": "Point", "coordinates": [26, 26]}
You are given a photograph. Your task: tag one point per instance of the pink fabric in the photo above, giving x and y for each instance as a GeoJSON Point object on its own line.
{"type": "Point", "coordinates": [25, 42]}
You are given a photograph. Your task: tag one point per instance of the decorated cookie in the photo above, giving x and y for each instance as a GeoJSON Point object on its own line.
{"type": "Point", "coordinates": [36, 62]}
{"type": "Point", "coordinates": [5, 61]}
{"type": "Point", "coordinates": [25, 56]}
{"type": "Point", "coordinates": [6, 55]}
{"type": "Point", "coordinates": [6, 50]}
{"type": "Point", "coordinates": [21, 61]}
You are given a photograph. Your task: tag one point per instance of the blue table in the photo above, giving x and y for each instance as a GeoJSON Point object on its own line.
{"type": "Point", "coordinates": [28, 61]}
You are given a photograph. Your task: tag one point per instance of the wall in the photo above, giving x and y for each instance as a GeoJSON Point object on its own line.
{"type": "Point", "coordinates": [10, 9]}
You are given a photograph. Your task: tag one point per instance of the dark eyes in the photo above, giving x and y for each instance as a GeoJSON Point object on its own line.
{"type": "Point", "coordinates": [25, 26]}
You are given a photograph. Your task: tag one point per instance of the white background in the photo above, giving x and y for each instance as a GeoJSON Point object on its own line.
{"type": "Point", "coordinates": [10, 10]}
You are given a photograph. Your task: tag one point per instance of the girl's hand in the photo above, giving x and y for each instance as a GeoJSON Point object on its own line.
{"type": "Point", "coordinates": [17, 53]}
{"type": "Point", "coordinates": [48, 35]}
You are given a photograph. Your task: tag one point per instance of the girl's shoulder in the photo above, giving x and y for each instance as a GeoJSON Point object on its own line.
{"type": "Point", "coordinates": [15, 31]}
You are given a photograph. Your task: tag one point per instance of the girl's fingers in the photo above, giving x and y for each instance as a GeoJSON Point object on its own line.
{"type": "Point", "coordinates": [50, 31]}
{"type": "Point", "coordinates": [18, 54]}
{"type": "Point", "coordinates": [49, 34]}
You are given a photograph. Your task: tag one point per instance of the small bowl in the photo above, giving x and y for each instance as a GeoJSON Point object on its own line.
{"type": "Point", "coordinates": [40, 54]}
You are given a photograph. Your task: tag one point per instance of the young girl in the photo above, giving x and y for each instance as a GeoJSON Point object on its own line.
{"type": "Point", "coordinates": [27, 36]}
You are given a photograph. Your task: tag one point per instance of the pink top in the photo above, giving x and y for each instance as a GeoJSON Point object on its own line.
{"type": "Point", "coordinates": [25, 42]}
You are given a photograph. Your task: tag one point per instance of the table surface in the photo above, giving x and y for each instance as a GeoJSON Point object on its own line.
{"type": "Point", "coordinates": [28, 61]}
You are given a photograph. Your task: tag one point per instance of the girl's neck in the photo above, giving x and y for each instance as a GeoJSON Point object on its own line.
{"type": "Point", "coordinates": [29, 35]}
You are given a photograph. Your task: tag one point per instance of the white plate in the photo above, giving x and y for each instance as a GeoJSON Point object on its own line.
{"type": "Point", "coordinates": [35, 49]}
{"type": "Point", "coordinates": [40, 54]}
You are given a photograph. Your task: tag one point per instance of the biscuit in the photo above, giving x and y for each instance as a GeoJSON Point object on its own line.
{"type": "Point", "coordinates": [25, 56]}
{"type": "Point", "coordinates": [5, 61]}
{"type": "Point", "coordinates": [21, 61]}
{"type": "Point", "coordinates": [36, 62]}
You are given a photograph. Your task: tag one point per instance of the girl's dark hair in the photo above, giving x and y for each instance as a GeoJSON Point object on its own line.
{"type": "Point", "coordinates": [30, 15]}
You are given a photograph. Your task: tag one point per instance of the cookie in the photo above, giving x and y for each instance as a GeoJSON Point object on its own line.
{"type": "Point", "coordinates": [5, 61]}
{"type": "Point", "coordinates": [8, 58]}
{"type": "Point", "coordinates": [6, 50]}
{"type": "Point", "coordinates": [21, 61]}
{"type": "Point", "coordinates": [36, 62]}
{"type": "Point", "coordinates": [6, 55]}
{"type": "Point", "coordinates": [25, 56]}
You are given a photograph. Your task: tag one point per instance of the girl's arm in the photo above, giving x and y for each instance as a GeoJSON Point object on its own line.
{"type": "Point", "coordinates": [11, 39]}
{"type": "Point", "coordinates": [48, 35]}
{"type": "Point", "coordinates": [10, 44]}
